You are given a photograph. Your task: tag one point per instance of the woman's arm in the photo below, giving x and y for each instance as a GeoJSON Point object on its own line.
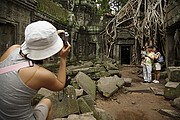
{"type": "Point", "coordinates": [48, 79]}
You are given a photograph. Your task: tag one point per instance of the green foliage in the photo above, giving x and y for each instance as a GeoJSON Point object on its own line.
{"type": "Point", "coordinates": [104, 6]}
{"type": "Point", "coordinates": [54, 10]}
{"type": "Point", "coordinates": [123, 2]}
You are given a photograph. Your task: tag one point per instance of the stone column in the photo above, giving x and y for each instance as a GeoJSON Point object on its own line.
{"type": "Point", "coordinates": [72, 38]}
{"type": "Point", "coordinates": [170, 48]}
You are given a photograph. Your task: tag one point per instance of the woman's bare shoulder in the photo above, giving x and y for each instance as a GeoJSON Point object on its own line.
{"type": "Point", "coordinates": [8, 51]}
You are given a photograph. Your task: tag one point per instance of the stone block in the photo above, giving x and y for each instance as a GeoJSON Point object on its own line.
{"type": "Point", "coordinates": [177, 102]}
{"type": "Point", "coordinates": [86, 83]}
{"type": "Point", "coordinates": [109, 66]}
{"type": "Point", "coordinates": [103, 115]}
{"type": "Point", "coordinates": [85, 116]}
{"type": "Point", "coordinates": [36, 99]}
{"type": "Point", "coordinates": [172, 90]}
{"type": "Point", "coordinates": [163, 75]}
{"type": "Point", "coordinates": [91, 103]}
{"type": "Point", "coordinates": [127, 82]}
{"type": "Point", "coordinates": [65, 103]}
{"type": "Point", "coordinates": [114, 72]}
{"type": "Point", "coordinates": [104, 74]}
{"type": "Point", "coordinates": [139, 89]}
{"type": "Point", "coordinates": [89, 100]}
{"type": "Point", "coordinates": [170, 113]}
{"type": "Point", "coordinates": [86, 67]}
{"type": "Point", "coordinates": [83, 106]}
{"type": "Point", "coordinates": [174, 74]}
{"type": "Point", "coordinates": [109, 85]}
{"type": "Point", "coordinates": [87, 104]}
{"type": "Point", "coordinates": [79, 92]}
{"type": "Point", "coordinates": [157, 91]}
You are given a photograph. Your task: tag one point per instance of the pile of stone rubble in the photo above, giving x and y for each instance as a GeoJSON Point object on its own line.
{"type": "Point", "coordinates": [77, 100]}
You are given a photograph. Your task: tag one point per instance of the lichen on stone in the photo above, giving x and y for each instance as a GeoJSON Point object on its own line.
{"type": "Point", "coordinates": [54, 10]}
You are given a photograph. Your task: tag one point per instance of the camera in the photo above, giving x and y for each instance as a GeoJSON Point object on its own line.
{"type": "Point", "coordinates": [64, 36]}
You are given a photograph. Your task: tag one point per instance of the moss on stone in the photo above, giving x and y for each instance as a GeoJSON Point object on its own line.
{"type": "Point", "coordinates": [54, 10]}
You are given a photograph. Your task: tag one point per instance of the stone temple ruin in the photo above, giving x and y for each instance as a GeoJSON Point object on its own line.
{"type": "Point", "coordinates": [91, 36]}
{"type": "Point", "coordinates": [138, 23]}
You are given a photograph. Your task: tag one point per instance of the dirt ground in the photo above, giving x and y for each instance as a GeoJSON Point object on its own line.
{"type": "Point", "coordinates": [135, 105]}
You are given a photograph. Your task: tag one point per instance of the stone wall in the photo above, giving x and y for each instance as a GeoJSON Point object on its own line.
{"type": "Point", "coordinates": [14, 17]}
{"type": "Point", "coordinates": [79, 21]}
{"type": "Point", "coordinates": [172, 25]}
{"type": "Point", "coordinates": [172, 13]}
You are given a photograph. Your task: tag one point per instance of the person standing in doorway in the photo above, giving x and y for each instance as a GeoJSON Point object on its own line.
{"type": "Point", "coordinates": [147, 67]}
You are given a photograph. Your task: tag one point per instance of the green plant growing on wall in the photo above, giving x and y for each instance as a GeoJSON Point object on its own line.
{"type": "Point", "coordinates": [104, 6]}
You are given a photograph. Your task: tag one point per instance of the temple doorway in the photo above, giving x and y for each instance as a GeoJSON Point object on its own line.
{"type": "Point", "coordinates": [7, 36]}
{"type": "Point", "coordinates": [125, 54]}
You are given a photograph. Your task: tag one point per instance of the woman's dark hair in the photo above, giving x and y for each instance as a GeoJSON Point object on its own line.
{"type": "Point", "coordinates": [40, 62]}
{"type": "Point", "coordinates": [157, 49]}
{"type": "Point", "coordinates": [150, 46]}
{"type": "Point", "coordinates": [143, 48]}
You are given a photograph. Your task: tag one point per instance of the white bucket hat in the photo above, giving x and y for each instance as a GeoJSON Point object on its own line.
{"type": "Point", "coordinates": [41, 41]}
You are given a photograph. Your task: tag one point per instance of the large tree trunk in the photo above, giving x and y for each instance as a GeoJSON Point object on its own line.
{"type": "Point", "coordinates": [143, 18]}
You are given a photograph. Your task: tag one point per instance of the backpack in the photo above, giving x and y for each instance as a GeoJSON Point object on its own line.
{"type": "Point", "coordinates": [160, 59]}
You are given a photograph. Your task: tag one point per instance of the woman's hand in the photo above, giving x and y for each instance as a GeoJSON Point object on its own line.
{"type": "Point", "coordinates": [60, 31]}
{"type": "Point", "coordinates": [65, 51]}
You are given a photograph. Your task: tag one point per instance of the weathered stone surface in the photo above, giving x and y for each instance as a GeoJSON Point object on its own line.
{"type": "Point", "coordinates": [172, 90]}
{"type": "Point", "coordinates": [36, 99]}
{"type": "Point", "coordinates": [75, 84]}
{"type": "Point", "coordinates": [86, 67]}
{"type": "Point", "coordinates": [79, 92]}
{"type": "Point", "coordinates": [157, 91]}
{"type": "Point", "coordinates": [89, 100]}
{"type": "Point", "coordinates": [104, 74]}
{"type": "Point", "coordinates": [85, 116]}
{"type": "Point", "coordinates": [102, 115]}
{"type": "Point", "coordinates": [93, 72]}
{"type": "Point", "coordinates": [177, 102]}
{"type": "Point", "coordinates": [171, 113]}
{"type": "Point", "coordinates": [109, 85]}
{"type": "Point", "coordinates": [163, 75]}
{"type": "Point", "coordinates": [91, 103]}
{"type": "Point", "coordinates": [114, 72]}
{"type": "Point", "coordinates": [96, 69]}
{"type": "Point", "coordinates": [109, 66]}
{"type": "Point", "coordinates": [174, 74]}
{"type": "Point", "coordinates": [140, 76]}
{"type": "Point", "coordinates": [106, 58]}
{"type": "Point", "coordinates": [127, 82]}
{"type": "Point", "coordinates": [83, 106]}
{"type": "Point", "coordinates": [68, 104]}
{"type": "Point", "coordinates": [45, 92]}
{"type": "Point", "coordinates": [141, 89]}
{"type": "Point", "coordinates": [86, 83]}
{"type": "Point", "coordinates": [60, 119]}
